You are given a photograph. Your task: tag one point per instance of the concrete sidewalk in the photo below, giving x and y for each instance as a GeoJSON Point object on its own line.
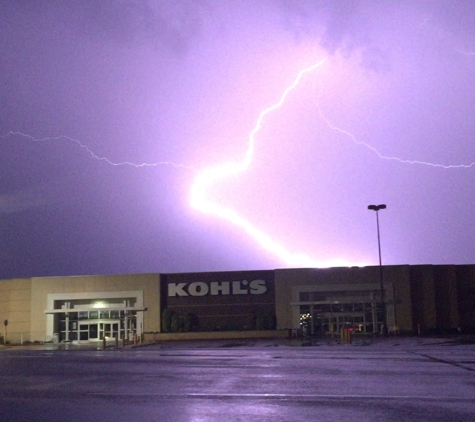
{"type": "Point", "coordinates": [57, 346]}
{"type": "Point", "coordinates": [397, 342]}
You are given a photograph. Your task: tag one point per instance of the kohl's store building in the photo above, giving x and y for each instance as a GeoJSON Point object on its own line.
{"type": "Point", "coordinates": [421, 298]}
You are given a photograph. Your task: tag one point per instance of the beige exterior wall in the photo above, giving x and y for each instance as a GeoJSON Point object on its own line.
{"type": "Point", "coordinates": [282, 299]}
{"type": "Point", "coordinates": [41, 287]}
{"type": "Point", "coordinates": [15, 297]}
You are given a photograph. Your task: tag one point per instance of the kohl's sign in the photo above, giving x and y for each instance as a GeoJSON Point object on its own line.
{"type": "Point", "coordinates": [215, 288]}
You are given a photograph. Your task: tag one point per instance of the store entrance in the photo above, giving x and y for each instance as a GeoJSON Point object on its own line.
{"type": "Point", "coordinates": [329, 319]}
{"type": "Point", "coordinates": [96, 325]}
{"type": "Point", "coordinates": [98, 330]}
{"type": "Point", "coordinates": [328, 324]}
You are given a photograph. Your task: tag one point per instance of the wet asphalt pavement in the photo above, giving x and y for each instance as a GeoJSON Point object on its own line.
{"type": "Point", "coordinates": [261, 381]}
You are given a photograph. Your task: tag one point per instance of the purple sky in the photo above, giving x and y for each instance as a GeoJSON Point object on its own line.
{"type": "Point", "coordinates": [185, 82]}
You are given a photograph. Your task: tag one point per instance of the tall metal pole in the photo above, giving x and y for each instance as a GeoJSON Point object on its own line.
{"type": "Point", "coordinates": [383, 303]}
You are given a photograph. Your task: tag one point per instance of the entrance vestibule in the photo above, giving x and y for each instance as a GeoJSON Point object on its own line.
{"type": "Point", "coordinates": [82, 317]}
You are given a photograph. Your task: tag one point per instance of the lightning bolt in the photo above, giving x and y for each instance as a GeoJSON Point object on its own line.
{"type": "Point", "coordinates": [389, 157]}
{"type": "Point", "coordinates": [207, 177]}
{"type": "Point", "coordinates": [466, 53]}
{"type": "Point", "coordinates": [95, 156]}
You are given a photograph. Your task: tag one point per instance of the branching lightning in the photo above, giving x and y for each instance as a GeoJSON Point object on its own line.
{"type": "Point", "coordinates": [209, 176]}
{"type": "Point", "coordinates": [388, 157]}
{"type": "Point", "coordinates": [95, 156]}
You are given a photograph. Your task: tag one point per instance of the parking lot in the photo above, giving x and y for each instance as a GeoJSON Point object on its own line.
{"type": "Point", "coordinates": [389, 380]}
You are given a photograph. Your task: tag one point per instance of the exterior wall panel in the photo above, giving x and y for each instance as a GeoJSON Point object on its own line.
{"type": "Point", "coordinates": [15, 295]}
{"type": "Point", "coordinates": [423, 298]}
{"type": "Point", "coordinates": [466, 296]}
{"type": "Point", "coordinates": [445, 281]}
{"type": "Point", "coordinates": [399, 278]}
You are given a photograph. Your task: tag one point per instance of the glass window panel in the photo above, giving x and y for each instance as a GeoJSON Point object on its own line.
{"type": "Point", "coordinates": [84, 335]}
{"type": "Point", "coordinates": [107, 330]}
{"type": "Point", "coordinates": [104, 314]}
{"type": "Point", "coordinates": [115, 314]}
{"type": "Point", "coordinates": [82, 315]}
{"type": "Point", "coordinates": [93, 331]}
{"type": "Point", "coordinates": [93, 315]}
{"type": "Point", "coordinates": [304, 297]}
{"type": "Point", "coordinates": [348, 307]}
{"type": "Point", "coordinates": [73, 315]}
{"type": "Point", "coordinates": [318, 297]}
{"type": "Point", "coordinates": [337, 308]}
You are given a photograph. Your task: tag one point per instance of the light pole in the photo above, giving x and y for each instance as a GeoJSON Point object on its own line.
{"type": "Point", "coordinates": [383, 304]}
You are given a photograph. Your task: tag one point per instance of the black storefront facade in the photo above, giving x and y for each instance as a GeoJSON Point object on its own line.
{"type": "Point", "coordinates": [218, 301]}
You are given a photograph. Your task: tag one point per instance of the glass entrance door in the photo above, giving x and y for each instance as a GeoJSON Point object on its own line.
{"type": "Point", "coordinates": [109, 329]}
{"type": "Point", "coordinates": [88, 331]}
{"type": "Point", "coordinates": [331, 318]}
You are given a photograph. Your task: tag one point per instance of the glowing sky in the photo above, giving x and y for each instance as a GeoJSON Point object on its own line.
{"type": "Point", "coordinates": [127, 104]}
